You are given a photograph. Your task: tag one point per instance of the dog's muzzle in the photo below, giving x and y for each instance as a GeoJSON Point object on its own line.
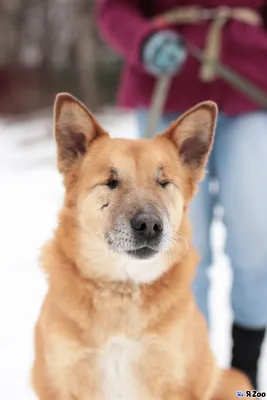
{"type": "Point", "coordinates": [147, 231]}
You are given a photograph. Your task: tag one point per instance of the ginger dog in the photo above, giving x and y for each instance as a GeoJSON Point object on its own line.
{"type": "Point", "coordinates": [119, 321]}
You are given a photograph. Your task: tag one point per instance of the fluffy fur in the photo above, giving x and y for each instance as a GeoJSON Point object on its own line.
{"type": "Point", "coordinates": [120, 323]}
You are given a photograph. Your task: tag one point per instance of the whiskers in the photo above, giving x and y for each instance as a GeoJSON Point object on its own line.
{"type": "Point", "coordinates": [180, 242]}
{"type": "Point", "coordinates": [120, 243]}
{"type": "Point", "coordinates": [111, 245]}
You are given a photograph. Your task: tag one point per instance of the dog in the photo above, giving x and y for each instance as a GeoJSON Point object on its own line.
{"type": "Point", "coordinates": [119, 321]}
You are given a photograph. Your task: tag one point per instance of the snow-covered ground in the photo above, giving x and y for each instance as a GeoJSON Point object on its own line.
{"type": "Point", "coordinates": [31, 195]}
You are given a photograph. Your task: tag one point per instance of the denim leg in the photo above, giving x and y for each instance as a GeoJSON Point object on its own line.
{"type": "Point", "coordinates": [241, 165]}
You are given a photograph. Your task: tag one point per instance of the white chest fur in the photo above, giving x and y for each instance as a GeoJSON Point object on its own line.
{"type": "Point", "coordinates": [117, 363]}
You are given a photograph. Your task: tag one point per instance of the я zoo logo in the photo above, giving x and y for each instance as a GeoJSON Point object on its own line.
{"type": "Point", "coordinates": [250, 393]}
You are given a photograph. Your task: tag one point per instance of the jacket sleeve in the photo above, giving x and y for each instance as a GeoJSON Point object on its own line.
{"type": "Point", "coordinates": [124, 27]}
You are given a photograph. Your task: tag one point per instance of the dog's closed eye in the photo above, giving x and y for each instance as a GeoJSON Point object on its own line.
{"type": "Point", "coordinates": [164, 184]}
{"type": "Point", "coordinates": [112, 184]}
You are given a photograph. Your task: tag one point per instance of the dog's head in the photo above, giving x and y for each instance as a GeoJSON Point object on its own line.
{"type": "Point", "coordinates": [126, 199]}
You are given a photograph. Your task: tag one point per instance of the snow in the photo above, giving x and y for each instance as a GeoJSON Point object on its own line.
{"type": "Point", "coordinates": [31, 195]}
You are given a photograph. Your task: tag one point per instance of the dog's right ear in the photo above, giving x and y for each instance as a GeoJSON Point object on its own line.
{"type": "Point", "coordinates": [75, 129]}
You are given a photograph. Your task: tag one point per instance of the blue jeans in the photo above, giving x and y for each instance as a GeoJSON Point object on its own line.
{"type": "Point", "coordinates": [239, 162]}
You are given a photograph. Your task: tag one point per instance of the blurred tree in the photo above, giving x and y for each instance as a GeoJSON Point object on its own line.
{"type": "Point", "coordinates": [48, 46]}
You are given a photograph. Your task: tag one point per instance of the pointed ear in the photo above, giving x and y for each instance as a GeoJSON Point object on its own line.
{"type": "Point", "coordinates": [192, 134]}
{"type": "Point", "coordinates": [75, 129]}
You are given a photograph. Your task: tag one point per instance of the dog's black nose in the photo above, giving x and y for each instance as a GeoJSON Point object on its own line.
{"type": "Point", "coordinates": [148, 226]}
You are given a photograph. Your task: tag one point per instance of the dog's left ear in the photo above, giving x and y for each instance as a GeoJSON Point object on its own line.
{"type": "Point", "coordinates": [192, 134]}
{"type": "Point", "coordinates": [75, 129]}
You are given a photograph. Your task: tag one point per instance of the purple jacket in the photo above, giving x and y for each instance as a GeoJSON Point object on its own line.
{"type": "Point", "coordinates": [125, 24]}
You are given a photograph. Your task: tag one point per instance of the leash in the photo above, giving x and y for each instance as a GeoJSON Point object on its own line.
{"type": "Point", "coordinates": [162, 85]}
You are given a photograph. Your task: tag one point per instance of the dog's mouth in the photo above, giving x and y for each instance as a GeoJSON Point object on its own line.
{"type": "Point", "coordinates": [143, 253]}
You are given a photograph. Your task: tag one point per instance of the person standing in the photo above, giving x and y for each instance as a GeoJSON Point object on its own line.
{"type": "Point", "coordinates": [239, 156]}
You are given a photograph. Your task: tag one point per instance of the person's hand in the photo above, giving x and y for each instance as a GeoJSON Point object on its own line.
{"type": "Point", "coordinates": [163, 53]}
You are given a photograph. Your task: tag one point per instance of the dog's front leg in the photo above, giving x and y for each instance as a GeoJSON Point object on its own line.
{"type": "Point", "coordinates": [45, 390]}
{"type": "Point", "coordinates": [55, 396]}
{"type": "Point", "coordinates": [185, 394]}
